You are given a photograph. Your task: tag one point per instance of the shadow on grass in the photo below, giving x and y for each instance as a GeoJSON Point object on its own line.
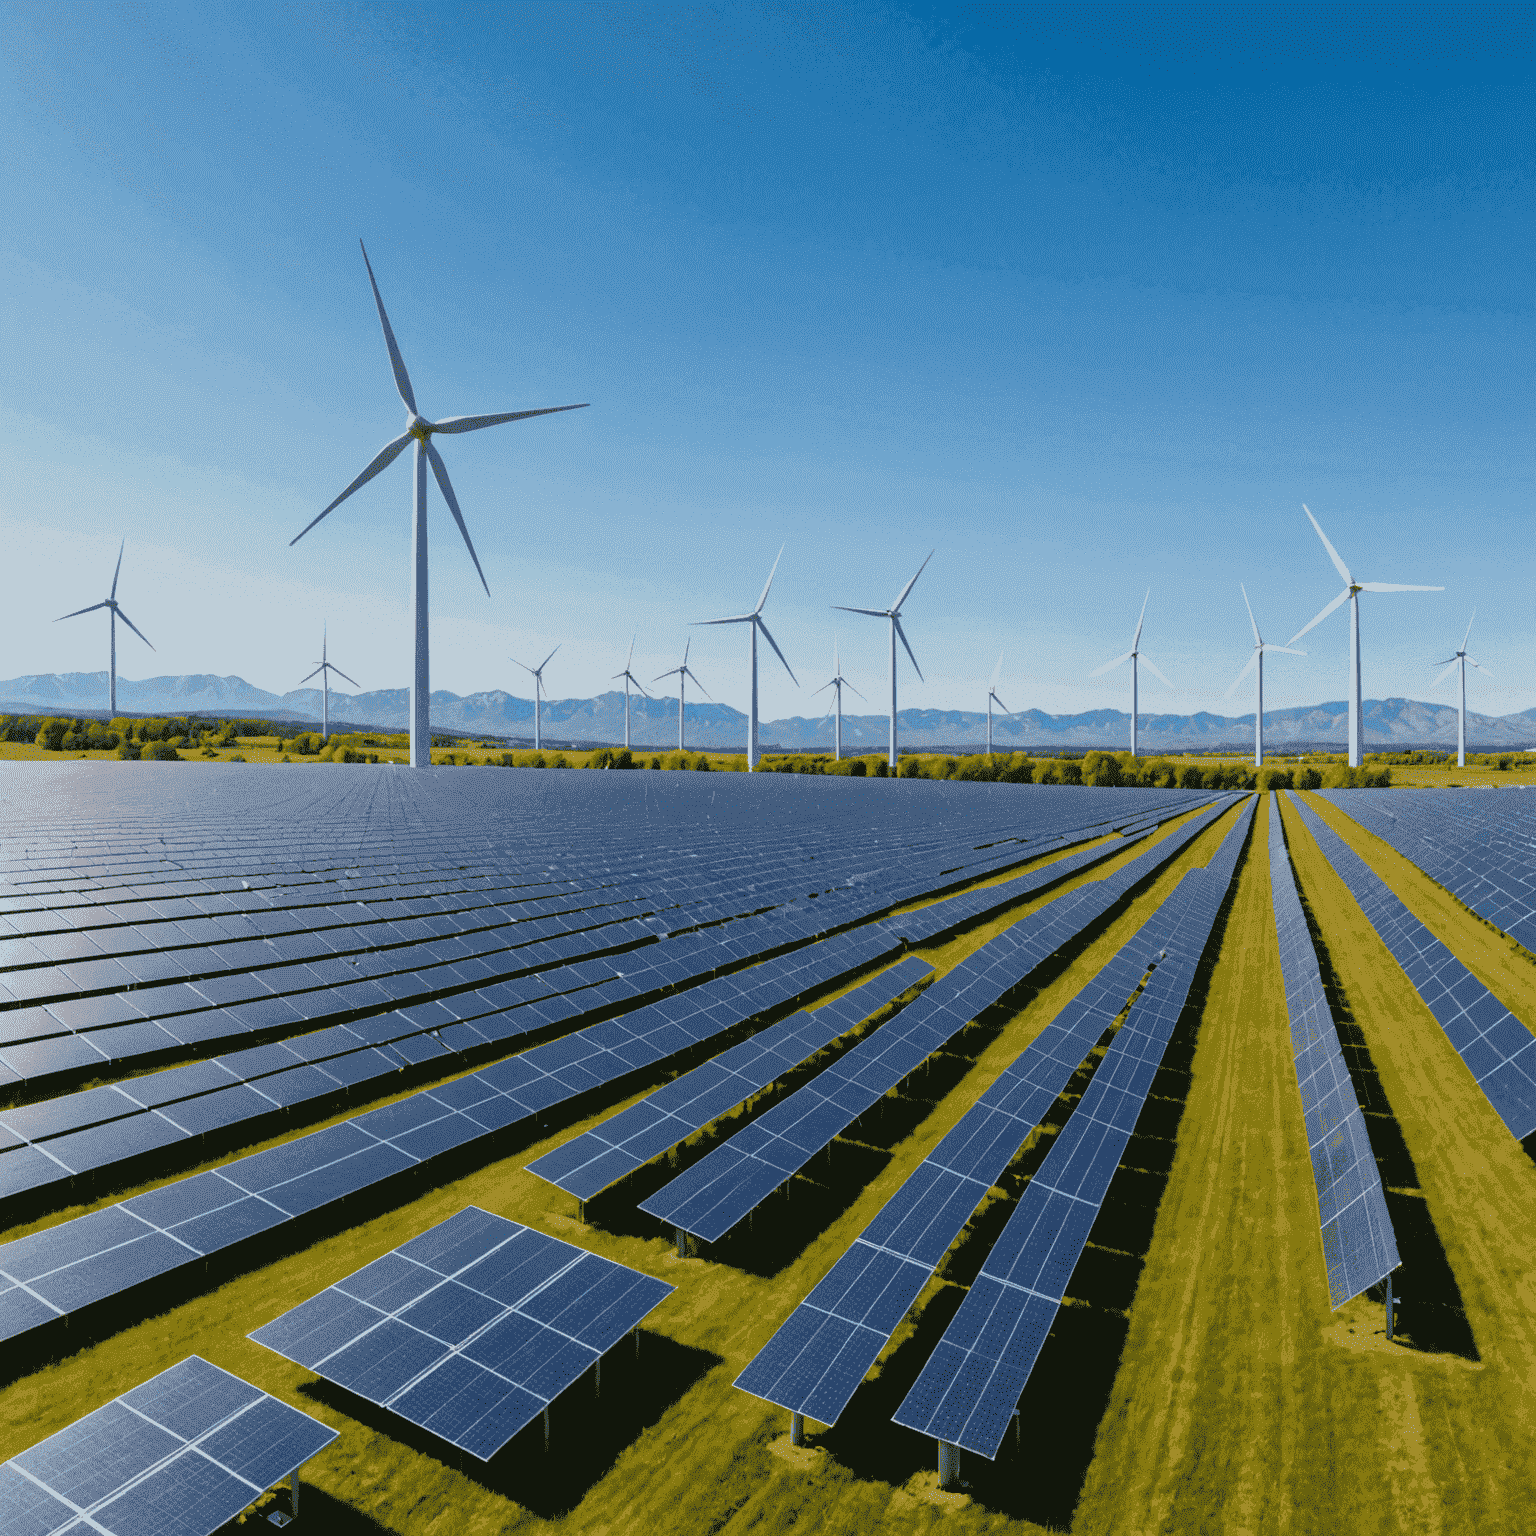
{"type": "Point", "coordinates": [588, 1430]}
{"type": "Point", "coordinates": [1430, 1313]}
{"type": "Point", "coordinates": [320, 1510]}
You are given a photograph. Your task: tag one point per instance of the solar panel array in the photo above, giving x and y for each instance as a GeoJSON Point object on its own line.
{"type": "Point", "coordinates": [1359, 1246]}
{"type": "Point", "coordinates": [722, 1188]}
{"type": "Point", "coordinates": [1500, 1052]}
{"type": "Point", "coordinates": [179, 1455]}
{"type": "Point", "coordinates": [469, 1330]}
{"type": "Point", "coordinates": [663, 1119]}
{"type": "Point", "coordinates": [1482, 848]}
{"type": "Point", "coordinates": [967, 1392]}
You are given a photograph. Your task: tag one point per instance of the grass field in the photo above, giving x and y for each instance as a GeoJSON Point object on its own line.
{"type": "Point", "coordinates": [1195, 1381]}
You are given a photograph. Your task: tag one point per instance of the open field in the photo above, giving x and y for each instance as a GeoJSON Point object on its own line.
{"type": "Point", "coordinates": [1194, 1381]}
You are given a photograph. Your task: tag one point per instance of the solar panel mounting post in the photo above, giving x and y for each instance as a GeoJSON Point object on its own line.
{"type": "Point", "coordinates": [293, 1501]}
{"type": "Point", "coordinates": [1389, 1306]}
{"type": "Point", "coordinates": [797, 1429]}
{"type": "Point", "coordinates": [949, 1465]}
{"type": "Point", "coordinates": [682, 1242]}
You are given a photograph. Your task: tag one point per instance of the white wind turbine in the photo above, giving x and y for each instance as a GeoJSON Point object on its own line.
{"type": "Point", "coordinates": [754, 621]}
{"type": "Point", "coordinates": [422, 431]}
{"type": "Point", "coordinates": [323, 671]}
{"type": "Point", "coordinates": [1460, 659]}
{"type": "Point", "coordinates": [682, 673]}
{"type": "Point", "coordinates": [1257, 660]}
{"type": "Point", "coordinates": [992, 697]}
{"type": "Point", "coordinates": [629, 677]}
{"type": "Point", "coordinates": [537, 674]}
{"type": "Point", "coordinates": [893, 614]}
{"type": "Point", "coordinates": [1351, 595]}
{"type": "Point", "coordinates": [1135, 655]}
{"type": "Point", "coordinates": [110, 604]}
{"type": "Point", "coordinates": [838, 683]}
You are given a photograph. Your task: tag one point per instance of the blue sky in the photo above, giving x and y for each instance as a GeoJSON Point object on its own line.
{"type": "Point", "coordinates": [1091, 299]}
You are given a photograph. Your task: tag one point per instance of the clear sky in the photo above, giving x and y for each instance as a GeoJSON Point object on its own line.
{"type": "Point", "coordinates": [1090, 298]}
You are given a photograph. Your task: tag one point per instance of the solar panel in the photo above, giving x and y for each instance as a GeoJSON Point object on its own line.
{"type": "Point", "coordinates": [967, 1391]}
{"type": "Point", "coordinates": [471, 1329]}
{"type": "Point", "coordinates": [1499, 1050]}
{"type": "Point", "coordinates": [183, 1453]}
{"type": "Point", "coordinates": [1359, 1246]}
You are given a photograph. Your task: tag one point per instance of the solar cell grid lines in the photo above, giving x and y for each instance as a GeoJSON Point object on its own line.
{"type": "Point", "coordinates": [183, 1453]}
{"type": "Point", "coordinates": [817, 1359]}
{"type": "Point", "coordinates": [968, 1390]}
{"type": "Point", "coordinates": [469, 1330]}
{"type": "Point", "coordinates": [589, 1163]}
{"type": "Point", "coordinates": [1359, 1246]}
{"type": "Point", "coordinates": [1499, 1050]}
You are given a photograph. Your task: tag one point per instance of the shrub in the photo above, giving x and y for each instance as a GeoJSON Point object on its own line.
{"type": "Point", "coordinates": [858, 768]}
{"type": "Point", "coordinates": [129, 752]}
{"type": "Point", "coordinates": [235, 757]}
{"type": "Point", "coordinates": [1276, 778]}
{"type": "Point", "coordinates": [1018, 773]}
{"type": "Point", "coordinates": [161, 752]}
{"type": "Point", "coordinates": [50, 735]}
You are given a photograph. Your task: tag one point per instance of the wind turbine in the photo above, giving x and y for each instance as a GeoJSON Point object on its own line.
{"type": "Point", "coordinates": [893, 613]}
{"type": "Point", "coordinates": [838, 683]}
{"type": "Point", "coordinates": [1460, 659]}
{"type": "Point", "coordinates": [538, 693]}
{"type": "Point", "coordinates": [629, 677]}
{"type": "Point", "coordinates": [323, 671]}
{"type": "Point", "coordinates": [1351, 595]}
{"type": "Point", "coordinates": [997, 672]}
{"type": "Point", "coordinates": [1134, 656]}
{"type": "Point", "coordinates": [682, 673]}
{"type": "Point", "coordinates": [421, 431]}
{"type": "Point", "coordinates": [110, 604]}
{"type": "Point", "coordinates": [755, 621]}
{"type": "Point", "coordinates": [1257, 660]}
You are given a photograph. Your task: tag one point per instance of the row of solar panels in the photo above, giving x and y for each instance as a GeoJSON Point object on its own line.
{"type": "Point", "coordinates": [814, 1363]}
{"type": "Point", "coordinates": [1482, 848]}
{"type": "Point", "coordinates": [1359, 1246]}
{"type": "Point", "coordinates": [724, 1187]}
{"type": "Point", "coordinates": [1499, 1051]}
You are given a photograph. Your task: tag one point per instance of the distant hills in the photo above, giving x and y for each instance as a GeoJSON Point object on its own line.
{"type": "Point", "coordinates": [1389, 723]}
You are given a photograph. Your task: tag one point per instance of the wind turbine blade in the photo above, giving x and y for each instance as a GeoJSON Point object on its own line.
{"type": "Point", "coordinates": [402, 378]}
{"type": "Point", "coordinates": [474, 423]}
{"type": "Point", "coordinates": [630, 658]}
{"type": "Point", "coordinates": [700, 686]}
{"type": "Point", "coordinates": [381, 460]}
{"type": "Point", "coordinates": [997, 672]}
{"type": "Point", "coordinates": [1258, 639]}
{"type": "Point", "coordinates": [1468, 634]}
{"type": "Point", "coordinates": [548, 658]}
{"type": "Point", "coordinates": [1343, 597]}
{"type": "Point", "coordinates": [1450, 667]}
{"type": "Point", "coordinates": [1480, 667]}
{"type": "Point", "coordinates": [121, 547]}
{"type": "Point", "coordinates": [78, 611]}
{"type": "Point", "coordinates": [1001, 705]}
{"type": "Point", "coordinates": [636, 681]}
{"type": "Point", "coordinates": [903, 635]}
{"type": "Point", "coordinates": [849, 686]}
{"type": "Point", "coordinates": [1333, 554]}
{"type": "Point", "coordinates": [776, 651]}
{"type": "Point", "coordinates": [685, 652]}
{"type": "Point", "coordinates": [740, 618]}
{"type": "Point", "coordinates": [523, 664]}
{"type": "Point", "coordinates": [1151, 666]}
{"type": "Point", "coordinates": [1253, 661]}
{"type": "Point", "coordinates": [440, 470]}
{"type": "Point", "coordinates": [135, 628]}
{"type": "Point", "coordinates": [874, 613]}
{"type": "Point", "coordinates": [1109, 666]}
{"type": "Point", "coordinates": [316, 673]}
{"type": "Point", "coordinates": [896, 606]}
{"type": "Point", "coordinates": [1393, 586]}
{"type": "Point", "coordinates": [1284, 650]}
{"type": "Point", "coordinates": [1142, 620]}
{"type": "Point", "coordinates": [824, 688]}
{"type": "Point", "coordinates": [764, 598]}
{"type": "Point", "coordinates": [339, 673]}
{"type": "Point", "coordinates": [673, 673]}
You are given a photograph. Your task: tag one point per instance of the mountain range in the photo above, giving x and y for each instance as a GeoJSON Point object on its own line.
{"type": "Point", "coordinates": [1389, 723]}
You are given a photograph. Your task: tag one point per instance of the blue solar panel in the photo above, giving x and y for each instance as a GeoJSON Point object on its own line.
{"type": "Point", "coordinates": [471, 1329]}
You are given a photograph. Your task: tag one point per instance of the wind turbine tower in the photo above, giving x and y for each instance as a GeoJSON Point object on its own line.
{"type": "Point", "coordinates": [992, 698]}
{"type": "Point", "coordinates": [323, 672]}
{"type": "Point", "coordinates": [537, 674]}
{"type": "Point", "coordinates": [1135, 655]}
{"type": "Point", "coordinates": [110, 604]}
{"type": "Point", "coordinates": [754, 621]}
{"type": "Point", "coordinates": [682, 673]}
{"type": "Point", "coordinates": [629, 677]}
{"type": "Point", "coordinates": [838, 683]}
{"type": "Point", "coordinates": [1351, 595]}
{"type": "Point", "coordinates": [421, 431]}
{"type": "Point", "coordinates": [1257, 661]}
{"type": "Point", "coordinates": [893, 614]}
{"type": "Point", "coordinates": [1460, 660]}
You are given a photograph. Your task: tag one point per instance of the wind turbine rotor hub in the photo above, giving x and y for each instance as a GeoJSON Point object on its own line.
{"type": "Point", "coordinates": [419, 428]}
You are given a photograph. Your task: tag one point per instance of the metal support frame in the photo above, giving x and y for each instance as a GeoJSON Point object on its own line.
{"type": "Point", "coordinates": [1389, 1306]}
{"type": "Point", "coordinates": [546, 1426]}
{"type": "Point", "coordinates": [797, 1429]}
{"type": "Point", "coordinates": [293, 1484]}
{"type": "Point", "coordinates": [682, 1242]}
{"type": "Point", "coordinates": [949, 1465]}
